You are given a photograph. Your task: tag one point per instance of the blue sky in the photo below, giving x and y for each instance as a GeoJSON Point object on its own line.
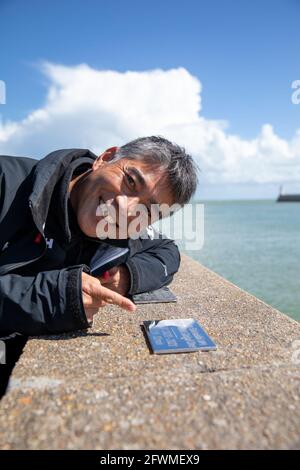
{"type": "Point", "coordinates": [244, 53]}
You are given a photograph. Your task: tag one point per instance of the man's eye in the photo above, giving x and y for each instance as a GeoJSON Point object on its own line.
{"type": "Point", "coordinates": [130, 180]}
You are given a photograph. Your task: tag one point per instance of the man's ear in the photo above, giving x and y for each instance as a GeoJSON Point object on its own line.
{"type": "Point", "coordinates": [104, 157]}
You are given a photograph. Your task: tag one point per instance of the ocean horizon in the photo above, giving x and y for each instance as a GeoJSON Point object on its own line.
{"type": "Point", "coordinates": [254, 243]}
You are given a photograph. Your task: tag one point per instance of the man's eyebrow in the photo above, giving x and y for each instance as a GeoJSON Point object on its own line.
{"type": "Point", "coordinates": [138, 174]}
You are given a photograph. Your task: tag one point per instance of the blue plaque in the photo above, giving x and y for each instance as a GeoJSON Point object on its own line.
{"type": "Point", "coordinates": [179, 335]}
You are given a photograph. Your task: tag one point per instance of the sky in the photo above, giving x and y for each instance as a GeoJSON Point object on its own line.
{"type": "Point", "coordinates": [214, 76]}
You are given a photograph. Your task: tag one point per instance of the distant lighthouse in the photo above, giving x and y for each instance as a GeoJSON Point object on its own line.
{"type": "Point", "coordinates": [287, 197]}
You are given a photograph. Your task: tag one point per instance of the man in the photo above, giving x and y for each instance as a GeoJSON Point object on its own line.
{"type": "Point", "coordinates": [48, 231]}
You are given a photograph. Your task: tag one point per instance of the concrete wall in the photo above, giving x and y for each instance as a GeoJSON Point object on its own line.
{"type": "Point", "coordinates": [103, 389]}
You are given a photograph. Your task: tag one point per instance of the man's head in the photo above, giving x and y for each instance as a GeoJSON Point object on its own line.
{"type": "Point", "coordinates": [146, 171]}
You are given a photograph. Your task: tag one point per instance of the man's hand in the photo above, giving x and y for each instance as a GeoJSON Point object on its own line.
{"type": "Point", "coordinates": [117, 279]}
{"type": "Point", "coordinates": [95, 296]}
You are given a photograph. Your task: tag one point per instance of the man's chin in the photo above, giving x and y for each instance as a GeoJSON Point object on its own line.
{"type": "Point", "coordinates": [87, 229]}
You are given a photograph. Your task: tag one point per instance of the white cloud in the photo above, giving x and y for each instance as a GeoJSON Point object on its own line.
{"type": "Point", "coordinates": [96, 109]}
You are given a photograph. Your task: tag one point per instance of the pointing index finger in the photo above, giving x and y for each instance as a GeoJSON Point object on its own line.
{"type": "Point", "coordinates": [112, 297]}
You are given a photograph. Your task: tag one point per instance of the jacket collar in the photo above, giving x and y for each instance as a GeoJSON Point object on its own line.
{"type": "Point", "coordinates": [48, 171]}
{"type": "Point", "coordinates": [50, 183]}
{"type": "Point", "coordinates": [61, 222]}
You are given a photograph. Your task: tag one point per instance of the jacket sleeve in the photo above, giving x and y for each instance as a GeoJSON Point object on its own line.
{"type": "Point", "coordinates": [47, 303]}
{"type": "Point", "coordinates": [153, 265]}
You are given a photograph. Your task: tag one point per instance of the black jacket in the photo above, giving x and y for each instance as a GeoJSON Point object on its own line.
{"type": "Point", "coordinates": [43, 251]}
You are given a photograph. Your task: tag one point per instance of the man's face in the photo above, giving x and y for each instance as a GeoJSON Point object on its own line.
{"type": "Point", "coordinates": [121, 185]}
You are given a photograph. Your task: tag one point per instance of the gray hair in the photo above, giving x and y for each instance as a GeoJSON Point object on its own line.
{"type": "Point", "coordinates": [173, 159]}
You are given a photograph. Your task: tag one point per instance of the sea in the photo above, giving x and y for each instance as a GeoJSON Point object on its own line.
{"type": "Point", "coordinates": [255, 245]}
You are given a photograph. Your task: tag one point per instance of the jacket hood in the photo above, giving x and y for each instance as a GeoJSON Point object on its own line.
{"type": "Point", "coordinates": [56, 166]}
{"type": "Point", "coordinates": [47, 173]}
